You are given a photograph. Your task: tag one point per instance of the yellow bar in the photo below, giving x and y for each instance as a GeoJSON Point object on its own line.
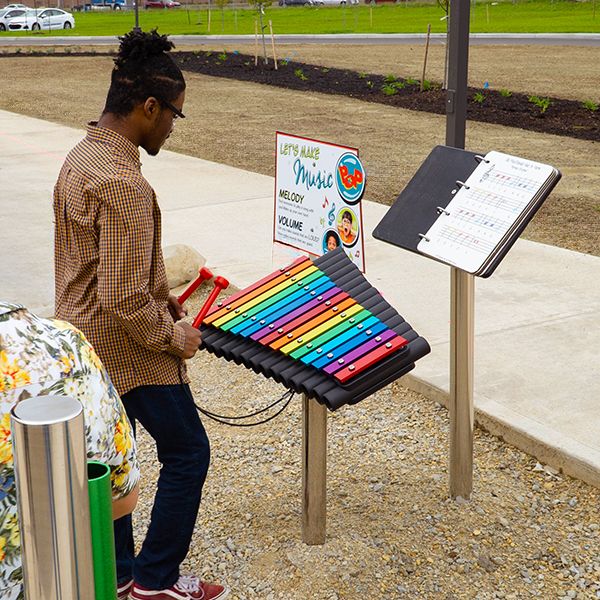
{"type": "Point", "coordinates": [264, 296]}
{"type": "Point", "coordinates": [313, 333]}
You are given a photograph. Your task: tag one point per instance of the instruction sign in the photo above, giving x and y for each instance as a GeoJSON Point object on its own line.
{"type": "Point", "coordinates": [318, 188]}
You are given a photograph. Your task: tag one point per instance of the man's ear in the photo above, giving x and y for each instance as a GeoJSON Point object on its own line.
{"type": "Point", "coordinates": [151, 107]}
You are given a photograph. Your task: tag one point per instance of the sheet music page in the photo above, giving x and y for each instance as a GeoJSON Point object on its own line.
{"type": "Point", "coordinates": [484, 210]}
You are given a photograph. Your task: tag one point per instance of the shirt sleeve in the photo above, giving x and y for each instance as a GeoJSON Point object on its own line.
{"type": "Point", "coordinates": [125, 244]}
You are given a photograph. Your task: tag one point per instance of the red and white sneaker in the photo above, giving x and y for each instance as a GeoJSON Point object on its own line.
{"type": "Point", "coordinates": [123, 590]}
{"type": "Point", "coordinates": [187, 587]}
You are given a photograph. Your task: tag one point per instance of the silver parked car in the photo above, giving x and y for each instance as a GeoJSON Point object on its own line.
{"type": "Point", "coordinates": [42, 18]}
{"type": "Point", "coordinates": [7, 14]}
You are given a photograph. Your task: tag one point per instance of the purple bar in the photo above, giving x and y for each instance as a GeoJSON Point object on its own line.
{"type": "Point", "coordinates": [296, 313]}
{"type": "Point", "coordinates": [360, 351]}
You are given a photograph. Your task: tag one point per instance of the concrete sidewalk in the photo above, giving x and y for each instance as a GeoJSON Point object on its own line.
{"type": "Point", "coordinates": [537, 348]}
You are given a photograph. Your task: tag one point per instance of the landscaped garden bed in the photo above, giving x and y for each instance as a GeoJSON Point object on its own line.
{"type": "Point", "coordinates": [578, 119]}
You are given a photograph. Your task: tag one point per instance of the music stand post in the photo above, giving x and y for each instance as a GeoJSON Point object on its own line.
{"type": "Point", "coordinates": [462, 284]}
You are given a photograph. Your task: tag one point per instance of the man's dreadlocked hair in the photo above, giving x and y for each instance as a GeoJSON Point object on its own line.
{"type": "Point", "coordinates": [143, 68]}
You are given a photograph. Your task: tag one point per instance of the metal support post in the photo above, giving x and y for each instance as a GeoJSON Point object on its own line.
{"type": "Point", "coordinates": [461, 383]}
{"type": "Point", "coordinates": [52, 491]}
{"type": "Point", "coordinates": [462, 303]}
{"type": "Point", "coordinates": [314, 471]}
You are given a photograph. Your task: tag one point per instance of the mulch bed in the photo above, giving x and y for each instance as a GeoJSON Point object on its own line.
{"type": "Point", "coordinates": [561, 117]}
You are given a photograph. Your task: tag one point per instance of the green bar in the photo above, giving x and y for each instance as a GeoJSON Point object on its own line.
{"type": "Point", "coordinates": [103, 541]}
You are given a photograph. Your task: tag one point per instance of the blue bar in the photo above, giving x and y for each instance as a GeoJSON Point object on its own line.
{"type": "Point", "coordinates": [284, 295]}
{"type": "Point", "coordinates": [286, 306]}
{"type": "Point", "coordinates": [321, 360]}
{"type": "Point", "coordinates": [334, 333]}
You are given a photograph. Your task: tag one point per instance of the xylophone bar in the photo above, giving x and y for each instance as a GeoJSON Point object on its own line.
{"type": "Point", "coordinates": [374, 365]}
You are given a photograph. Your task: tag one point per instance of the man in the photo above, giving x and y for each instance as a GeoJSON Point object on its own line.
{"type": "Point", "coordinates": [41, 357]}
{"type": "Point", "coordinates": [111, 283]}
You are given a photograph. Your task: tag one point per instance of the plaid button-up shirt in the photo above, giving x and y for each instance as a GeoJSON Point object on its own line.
{"type": "Point", "coordinates": [109, 271]}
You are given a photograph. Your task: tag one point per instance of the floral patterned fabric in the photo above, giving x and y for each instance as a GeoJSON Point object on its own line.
{"type": "Point", "coordinates": [48, 357]}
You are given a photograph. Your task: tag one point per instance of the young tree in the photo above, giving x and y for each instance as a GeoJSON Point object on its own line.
{"type": "Point", "coordinates": [445, 6]}
{"type": "Point", "coordinates": [222, 4]}
{"type": "Point", "coordinates": [259, 7]}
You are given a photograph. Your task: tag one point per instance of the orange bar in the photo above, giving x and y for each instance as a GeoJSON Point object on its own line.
{"type": "Point", "coordinates": [257, 288]}
{"type": "Point", "coordinates": [332, 312]}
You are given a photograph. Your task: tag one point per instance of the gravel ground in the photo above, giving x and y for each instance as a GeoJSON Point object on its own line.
{"type": "Point", "coordinates": [392, 532]}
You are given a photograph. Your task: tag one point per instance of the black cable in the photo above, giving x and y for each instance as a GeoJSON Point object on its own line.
{"type": "Point", "coordinates": [261, 410]}
{"type": "Point", "coordinates": [221, 418]}
{"type": "Point", "coordinates": [291, 395]}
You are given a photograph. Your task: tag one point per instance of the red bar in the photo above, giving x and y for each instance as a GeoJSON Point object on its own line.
{"type": "Point", "coordinates": [368, 360]}
{"type": "Point", "coordinates": [252, 291]}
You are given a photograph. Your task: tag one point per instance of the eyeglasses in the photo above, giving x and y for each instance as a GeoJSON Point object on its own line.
{"type": "Point", "coordinates": [177, 114]}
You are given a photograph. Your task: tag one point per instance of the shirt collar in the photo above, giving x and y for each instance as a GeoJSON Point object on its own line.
{"type": "Point", "coordinates": [112, 138]}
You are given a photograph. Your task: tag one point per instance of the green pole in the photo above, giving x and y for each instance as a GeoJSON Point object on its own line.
{"type": "Point", "coordinates": [103, 541]}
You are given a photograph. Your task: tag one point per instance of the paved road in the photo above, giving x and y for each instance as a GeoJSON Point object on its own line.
{"type": "Point", "coordinates": [545, 39]}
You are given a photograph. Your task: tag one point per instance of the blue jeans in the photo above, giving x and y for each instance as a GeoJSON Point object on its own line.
{"type": "Point", "coordinates": [168, 414]}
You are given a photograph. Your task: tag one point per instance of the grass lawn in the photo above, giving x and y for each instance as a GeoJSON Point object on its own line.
{"type": "Point", "coordinates": [557, 16]}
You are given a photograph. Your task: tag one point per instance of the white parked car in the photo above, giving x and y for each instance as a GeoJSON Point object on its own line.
{"type": "Point", "coordinates": [42, 18]}
{"type": "Point", "coordinates": [7, 14]}
{"type": "Point", "coordinates": [15, 6]}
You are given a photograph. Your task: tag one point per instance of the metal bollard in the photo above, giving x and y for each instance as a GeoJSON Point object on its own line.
{"type": "Point", "coordinates": [52, 491]}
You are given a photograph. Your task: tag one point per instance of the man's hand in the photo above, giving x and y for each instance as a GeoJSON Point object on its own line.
{"type": "Point", "coordinates": [177, 311]}
{"type": "Point", "coordinates": [193, 339]}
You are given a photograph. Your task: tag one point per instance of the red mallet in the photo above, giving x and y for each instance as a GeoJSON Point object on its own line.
{"type": "Point", "coordinates": [203, 275]}
{"type": "Point", "coordinates": [220, 284]}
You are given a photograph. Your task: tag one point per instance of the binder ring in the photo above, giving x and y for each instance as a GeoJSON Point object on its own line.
{"type": "Point", "coordinates": [423, 237]}
{"type": "Point", "coordinates": [462, 184]}
{"type": "Point", "coordinates": [442, 211]}
{"type": "Point", "coordinates": [480, 158]}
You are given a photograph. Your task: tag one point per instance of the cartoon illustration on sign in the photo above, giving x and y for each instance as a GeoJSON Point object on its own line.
{"type": "Point", "coordinates": [350, 178]}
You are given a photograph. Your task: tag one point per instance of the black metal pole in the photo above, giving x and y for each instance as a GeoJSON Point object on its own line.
{"type": "Point", "coordinates": [137, 16]}
{"type": "Point", "coordinates": [462, 285]}
{"type": "Point", "coordinates": [458, 62]}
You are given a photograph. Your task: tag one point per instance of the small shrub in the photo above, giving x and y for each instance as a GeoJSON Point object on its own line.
{"type": "Point", "coordinates": [542, 103]}
{"type": "Point", "coordinates": [411, 81]}
{"type": "Point", "coordinates": [299, 73]}
{"type": "Point", "coordinates": [284, 62]}
{"type": "Point", "coordinates": [324, 70]}
{"type": "Point", "coordinates": [390, 78]}
{"type": "Point", "coordinates": [370, 85]}
{"type": "Point", "coordinates": [479, 97]}
{"type": "Point", "coordinates": [389, 89]}
{"type": "Point", "coordinates": [590, 105]}
{"type": "Point", "coordinates": [505, 93]}
{"type": "Point", "coordinates": [222, 57]}
{"type": "Point", "coordinates": [362, 75]}
{"type": "Point", "coordinates": [427, 85]}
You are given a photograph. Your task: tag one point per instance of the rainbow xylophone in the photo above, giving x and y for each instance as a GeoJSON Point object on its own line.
{"type": "Point", "coordinates": [319, 328]}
